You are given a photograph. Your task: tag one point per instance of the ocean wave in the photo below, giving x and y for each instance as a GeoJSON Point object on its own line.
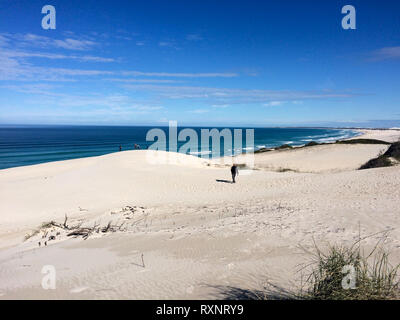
{"type": "Point", "coordinates": [200, 152]}
{"type": "Point", "coordinates": [331, 139]}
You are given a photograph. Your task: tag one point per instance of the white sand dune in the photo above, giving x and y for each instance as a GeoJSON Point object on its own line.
{"type": "Point", "coordinates": [320, 158]}
{"type": "Point", "coordinates": [199, 235]}
{"type": "Point", "coordinates": [389, 135]}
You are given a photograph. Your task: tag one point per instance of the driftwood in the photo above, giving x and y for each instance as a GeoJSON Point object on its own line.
{"type": "Point", "coordinates": [85, 232]}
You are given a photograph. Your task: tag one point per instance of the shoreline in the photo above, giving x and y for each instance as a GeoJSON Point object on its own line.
{"type": "Point", "coordinates": [192, 154]}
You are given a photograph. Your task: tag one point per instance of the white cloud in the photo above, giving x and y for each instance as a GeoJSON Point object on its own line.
{"type": "Point", "coordinates": [73, 44]}
{"type": "Point", "coordinates": [194, 37]}
{"type": "Point", "coordinates": [143, 80]}
{"type": "Point", "coordinates": [386, 53]}
{"type": "Point", "coordinates": [166, 44]}
{"type": "Point", "coordinates": [147, 108]}
{"type": "Point", "coordinates": [22, 54]}
{"type": "Point", "coordinates": [279, 103]}
{"type": "Point", "coordinates": [220, 106]}
{"type": "Point", "coordinates": [114, 103]}
{"type": "Point", "coordinates": [180, 75]}
{"type": "Point", "coordinates": [33, 40]}
{"type": "Point", "coordinates": [274, 103]}
{"type": "Point", "coordinates": [234, 96]}
{"type": "Point", "coordinates": [199, 111]}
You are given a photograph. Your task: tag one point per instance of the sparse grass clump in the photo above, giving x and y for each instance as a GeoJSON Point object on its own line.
{"type": "Point", "coordinates": [285, 170]}
{"type": "Point", "coordinates": [329, 279]}
{"type": "Point", "coordinates": [284, 146]}
{"type": "Point", "coordinates": [32, 234]}
{"type": "Point", "coordinates": [261, 150]}
{"type": "Point", "coordinates": [43, 226]}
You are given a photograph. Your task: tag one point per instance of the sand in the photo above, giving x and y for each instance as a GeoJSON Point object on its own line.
{"type": "Point", "coordinates": [181, 230]}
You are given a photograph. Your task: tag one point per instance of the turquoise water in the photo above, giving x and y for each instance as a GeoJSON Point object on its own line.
{"type": "Point", "coordinates": [27, 145]}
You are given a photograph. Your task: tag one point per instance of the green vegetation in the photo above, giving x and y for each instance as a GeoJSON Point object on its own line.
{"type": "Point", "coordinates": [372, 281]}
{"type": "Point", "coordinates": [384, 160]}
{"type": "Point", "coordinates": [43, 226]}
{"type": "Point", "coordinates": [284, 146]}
{"type": "Point", "coordinates": [362, 141]}
{"type": "Point", "coordinates": [381, 161]}
{"type": "Point", "coordinates": [263, 150]}
{"type": "Point", "coordinates": [394, 151]}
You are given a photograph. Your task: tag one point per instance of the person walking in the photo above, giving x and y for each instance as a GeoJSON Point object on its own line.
{"type": "Point", "coordinates": [234, 172]}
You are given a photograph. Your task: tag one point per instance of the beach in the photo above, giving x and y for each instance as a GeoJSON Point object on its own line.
{"type": "Point", "coordinates": [181, 230]}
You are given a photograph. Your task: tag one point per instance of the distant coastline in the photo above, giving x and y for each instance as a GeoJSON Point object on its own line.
{"type": "Point", "coordinates": [28, 145]}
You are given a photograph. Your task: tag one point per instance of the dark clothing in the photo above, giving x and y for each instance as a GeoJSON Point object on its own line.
{"type": "Point", "coordinates": [234, 172]}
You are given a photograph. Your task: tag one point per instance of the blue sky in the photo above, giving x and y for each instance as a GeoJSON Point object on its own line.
{"type": "Point", "coordinates": [241, 63]}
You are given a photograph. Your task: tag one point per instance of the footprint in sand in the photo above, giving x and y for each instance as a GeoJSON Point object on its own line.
{"type": "Point", "coordinates": [78, 289]}
{"type": "Point", "coordinates": [189, 290]}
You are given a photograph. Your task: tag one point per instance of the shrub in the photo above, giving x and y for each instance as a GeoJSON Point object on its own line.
{"type": "Point", "coordinates": [362, 141]}
{"type": "Point", "coordinates": [383, 160]}
{"type": "Point", "coordinates": [393, 151]}
{"type": "Point", "coordinates": [284, 146]}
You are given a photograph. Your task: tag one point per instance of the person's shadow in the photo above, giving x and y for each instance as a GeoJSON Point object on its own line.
{"type": "Point", "coordinates": [225, 181]}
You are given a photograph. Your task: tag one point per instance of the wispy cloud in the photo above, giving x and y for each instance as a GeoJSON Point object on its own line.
{"type": "Point", "coordinates": [114, 103]}
{"type": "Point", "coordinates": [165, 44]}
{"type": "Point", "coordinates": [73, 44]}
{"type": "Point", "coordinates": [33, 40]}
{"type": "Point", "coordinates": [222, 106]}
{"type": "Point", "coordinates": [199, 111]}
{"type": "Point", "coordinates": [14, 69]}
{"type": "Point", "coordinates": [143, 80]}
{"type": "Point", "coordinates": [16, 59]}
{"type": "Point", "coordinates": [282, 102]}
{"type": "Point", "coordinates": [274, 103]}
{"type": "Point", "coordinates": [35, 88]}
{"type": "Point", "coordinates": [180, 75]}
{"type": "Point", "coordinates": [22, 54]}
{"type": "Point", "coordinates": [385, 54]}
{"type": "Point", "coordinates": [235, 96]}
{"type": "Point", "coordinates": [194, 37]}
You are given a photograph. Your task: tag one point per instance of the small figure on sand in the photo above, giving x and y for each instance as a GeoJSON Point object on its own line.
{"type": "Point", "coordinates": [235, 172]}
{"type": "Point", "coordinates": [120, 148]}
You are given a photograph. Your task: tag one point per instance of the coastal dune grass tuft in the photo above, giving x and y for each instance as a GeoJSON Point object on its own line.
{"type": "Point", "coordinates": [337, 273]}
{"type": "Point", "coordinates": [374, 277]}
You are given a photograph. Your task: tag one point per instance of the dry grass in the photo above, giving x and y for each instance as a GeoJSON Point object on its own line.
{"type": "Point", "coordinates": [374, 277]}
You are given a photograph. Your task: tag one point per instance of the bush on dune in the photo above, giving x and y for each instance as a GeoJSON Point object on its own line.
{"type": "Point", "coordinates": [394, 151]}
{"type": "Point", "coordinates": [284, 146]}
{"type": "Point", "coordinates": [384, 160]}
{"type": "Point", "coordinates": [362, 141]}
{"type": "Point", "coordinates": [312, 143]}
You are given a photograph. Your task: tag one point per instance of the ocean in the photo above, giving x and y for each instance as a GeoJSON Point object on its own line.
{"type": "Point", "coordinates": [28, 145]}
